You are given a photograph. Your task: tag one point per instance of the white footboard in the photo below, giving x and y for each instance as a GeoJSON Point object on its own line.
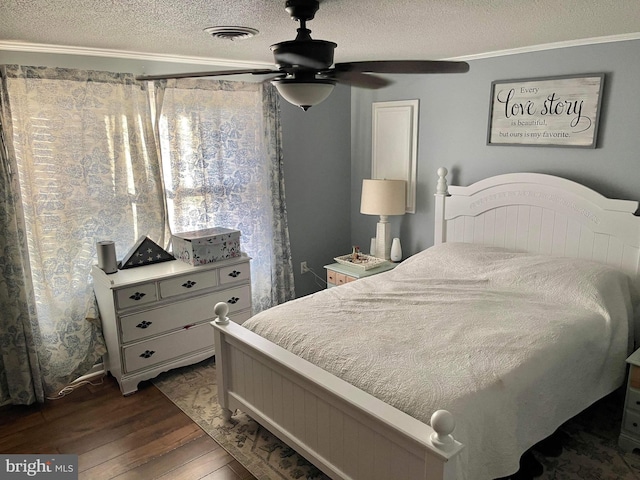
{"type": "Point", "coordinates": [342, 430]}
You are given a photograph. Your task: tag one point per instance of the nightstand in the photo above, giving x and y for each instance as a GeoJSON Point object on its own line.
{"type": "Point", "coordinates": [339, 274]}
{"type": "Point", "coordinates": [630, 432]}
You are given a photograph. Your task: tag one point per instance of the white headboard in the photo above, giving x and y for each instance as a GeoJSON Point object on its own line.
{"type": "Point", "coordinates": [539, 213]}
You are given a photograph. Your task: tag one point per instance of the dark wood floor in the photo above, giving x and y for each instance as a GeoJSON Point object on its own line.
{"type": "Point", "coordinates": [143, 436]}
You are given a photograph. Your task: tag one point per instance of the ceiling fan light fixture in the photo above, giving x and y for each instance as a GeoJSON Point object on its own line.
{"type": "Point", "coordinates": [231, 32]}
{"type": "Point", "coordinates": [304, 93]}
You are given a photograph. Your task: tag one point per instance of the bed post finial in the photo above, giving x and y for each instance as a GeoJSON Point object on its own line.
{"type": "Point", "coordinates": [221, 309]}
{"type": "Point", "coordinates": [443, 423]}
{"type": "Point", "coordinates": [442, 187]}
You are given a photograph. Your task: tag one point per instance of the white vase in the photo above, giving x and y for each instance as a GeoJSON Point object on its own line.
{"type": "Point", "coordinates": [396, 250]}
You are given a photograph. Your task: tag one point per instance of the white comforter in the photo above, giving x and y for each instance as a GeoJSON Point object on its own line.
{"type": "Point", "coordinates": [512, 344]}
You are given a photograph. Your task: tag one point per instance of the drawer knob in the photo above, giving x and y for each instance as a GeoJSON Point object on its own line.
{"type": "Point", "coordinates": [235, 274]}
{"type": "Point", "coordinates": [137, 296]}
{"type": "Point", "coordinates": [188, 284]}
{"type": "Point", "coordinates": [233, 300]}
{"type": "Point", "coordinates": [143, 324]}
{"type": "Point", "coordinates": [147, 354]}
{"type": "Point", "coordinates": [635, 424]}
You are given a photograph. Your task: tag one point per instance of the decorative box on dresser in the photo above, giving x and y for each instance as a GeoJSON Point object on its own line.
{"type": "Point", "coordinates": [154, 317]}
{"type": "Point", "coordinates": [630, 433]}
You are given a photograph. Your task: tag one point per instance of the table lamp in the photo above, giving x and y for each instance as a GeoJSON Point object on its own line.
{"type": "Point", "coordinates": [384, 198]}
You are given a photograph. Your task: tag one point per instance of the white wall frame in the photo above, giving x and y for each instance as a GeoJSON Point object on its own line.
{"type": "Point", "coordinates": [394, 151]}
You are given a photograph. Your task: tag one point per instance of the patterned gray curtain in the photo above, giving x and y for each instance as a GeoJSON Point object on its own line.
{"type": "Point", "coordinates": [81, 166]}
{"type": "Point", "coordinates": [20, 380]}
{"type": "Point", "coordinates": [221, 153]}
{"type": "Point", "coordinates": [80, 163]}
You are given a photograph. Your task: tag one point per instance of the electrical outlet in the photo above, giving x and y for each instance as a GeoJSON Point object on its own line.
{"type": "Point", "coordinates": [303, 267]}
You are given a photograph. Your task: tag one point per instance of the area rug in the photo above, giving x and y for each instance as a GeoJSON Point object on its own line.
{"type": "Point", "coordinates": [590, 450]}
{"type": "Point", "coordinates": [193, 390]}
{"type": "Point", "coordinates": [590, 446]}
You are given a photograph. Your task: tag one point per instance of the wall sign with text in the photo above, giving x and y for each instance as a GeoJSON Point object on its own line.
{"type": "Point", "coordinates": [552, 111]}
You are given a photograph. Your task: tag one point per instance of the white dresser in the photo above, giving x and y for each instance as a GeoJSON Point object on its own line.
{"type": "Point", "coordinates": [156, 317]}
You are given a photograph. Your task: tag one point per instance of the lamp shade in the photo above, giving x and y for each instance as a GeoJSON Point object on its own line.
{"type": "Point", "coordinates": [383, 197]}
{"type": "Point", "coordinates": [303, 94]}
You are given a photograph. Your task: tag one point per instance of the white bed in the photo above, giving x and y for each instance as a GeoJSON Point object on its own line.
{"type": "Point", "coordinates": [436, 332]}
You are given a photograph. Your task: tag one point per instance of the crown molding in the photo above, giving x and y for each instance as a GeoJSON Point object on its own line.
{"type": "Point", "coordinates": [161, 57]}
{"type": "Point", "coordinates": [120, 54]}
{"type": "Point", "coordinates": [552, 46]}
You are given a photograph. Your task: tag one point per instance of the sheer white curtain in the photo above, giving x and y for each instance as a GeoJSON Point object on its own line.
{"type": "Point", "coordinates": [83, 168]}
{"type": "Point", "coordinates": [222, 166]}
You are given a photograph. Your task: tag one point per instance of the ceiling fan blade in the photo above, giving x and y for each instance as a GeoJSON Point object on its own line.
{"type": "Point", "coordinates": [356, 79]}
{"type": "Point", "coordinates": [404, 66]}
{"type": "Point", "coordinates": [218, 73]}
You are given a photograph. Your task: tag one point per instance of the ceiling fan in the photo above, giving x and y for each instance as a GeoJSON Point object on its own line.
{"type": "Point", "coordinates": [304, 76]}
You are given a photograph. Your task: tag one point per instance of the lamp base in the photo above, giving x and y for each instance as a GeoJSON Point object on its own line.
{"type": "Point", "coordinates": [383, 238]}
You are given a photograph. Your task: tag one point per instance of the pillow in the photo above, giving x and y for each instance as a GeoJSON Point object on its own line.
{"type": "Point", "coordinates": [585, 283]}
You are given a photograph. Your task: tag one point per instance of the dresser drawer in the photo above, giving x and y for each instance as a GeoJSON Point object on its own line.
{"type": "Point", "coordinates": [139, 295]}
{"type": "Point", "coordinates": [632, 422]}
{"type": "Point", "coordinates": [341, 278]}
{"type": "Point", "coordinates": [237, 298]}
{"type": "Point", "coordinates": [633, 399]}
{"type": "Point", "coordinates": [235, 273]}
{"type": "Point", "coordinates": [167, 347]}
{"type": "Point", "coordinates": [188, 283]}
{"type": "Point", "coordinates": [169, 317]}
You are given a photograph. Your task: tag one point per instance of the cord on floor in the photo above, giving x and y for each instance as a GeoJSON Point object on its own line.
{"type": "Point", "coordinates": [72, 386]}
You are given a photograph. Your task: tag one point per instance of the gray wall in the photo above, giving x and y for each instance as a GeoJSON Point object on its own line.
{"type": "Point", "coordinates": [453, 127]}
{"type": "Point", "coordinates": [316, 150]}
{"type": "Point", "coordinates": [317, 173]}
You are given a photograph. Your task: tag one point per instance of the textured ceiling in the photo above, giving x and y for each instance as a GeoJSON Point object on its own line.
{"type": "Point", "coordinates": [363, 29]}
